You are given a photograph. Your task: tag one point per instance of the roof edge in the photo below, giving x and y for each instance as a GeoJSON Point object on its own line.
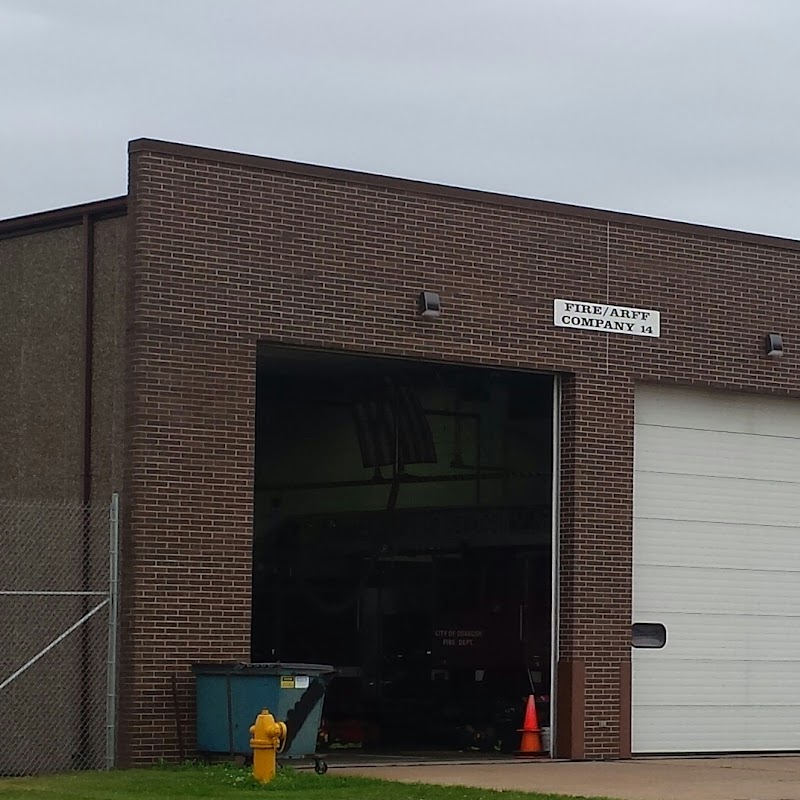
{"type": "Point", "coordinates": [454, 192]}
{"type": "Point", "coordinates": [63, 217]}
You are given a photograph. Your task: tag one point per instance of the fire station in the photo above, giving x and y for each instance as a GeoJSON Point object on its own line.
{"type": "Point", "coordinates": [463, 447]}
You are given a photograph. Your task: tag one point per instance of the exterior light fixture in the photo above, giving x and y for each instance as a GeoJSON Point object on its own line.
{"type": "Point", "coordinates": [773, 345]}
{"type": "Point", "coordinates": [429, 305]}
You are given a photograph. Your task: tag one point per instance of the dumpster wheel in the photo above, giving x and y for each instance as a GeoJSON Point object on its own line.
{"type": "Point", "coordinates": [320, 766]}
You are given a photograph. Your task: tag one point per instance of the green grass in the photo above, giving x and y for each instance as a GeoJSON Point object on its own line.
{"type": "Point", "coordinates": [220, 782]}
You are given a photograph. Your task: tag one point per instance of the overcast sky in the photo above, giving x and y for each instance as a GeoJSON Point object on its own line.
{"type": "Point", "coordinates": [685, 109]}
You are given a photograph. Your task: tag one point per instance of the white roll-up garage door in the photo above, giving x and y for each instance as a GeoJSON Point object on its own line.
{"type": "Point", "coordinates": [717, 562]}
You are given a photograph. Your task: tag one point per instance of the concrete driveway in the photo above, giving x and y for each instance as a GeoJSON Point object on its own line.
{"type": "Point", "coordinates": [740, 778]}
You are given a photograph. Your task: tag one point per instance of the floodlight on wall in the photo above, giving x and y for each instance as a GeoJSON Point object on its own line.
{"type": "Point", "coordinates": [773, 345]}
{"type": "Point", "coordinates": [429, 305]}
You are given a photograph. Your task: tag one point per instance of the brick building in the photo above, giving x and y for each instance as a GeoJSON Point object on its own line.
{"type": "Point", "coordinates": [243, 340]}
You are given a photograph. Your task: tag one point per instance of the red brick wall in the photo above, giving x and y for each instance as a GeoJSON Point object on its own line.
{"type": "Point", "coordinates": [596, 554]}
{"type": "Point", "coordinates": [228, 250]}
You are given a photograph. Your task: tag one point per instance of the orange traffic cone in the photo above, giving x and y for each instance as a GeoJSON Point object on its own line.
{"type": "Point", "coordinates": [531, 739]}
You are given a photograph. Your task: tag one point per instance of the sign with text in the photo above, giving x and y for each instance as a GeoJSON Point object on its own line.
{"type": "Point", "coordinates": [459, 645]}
{"type": "Point", "coordinates": [456, 637]}
{"type": "Point", "coordinates": [601, 317]}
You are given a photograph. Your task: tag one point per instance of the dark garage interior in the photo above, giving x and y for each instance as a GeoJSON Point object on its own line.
{"type": "Point", "coordinates": [403, 534]}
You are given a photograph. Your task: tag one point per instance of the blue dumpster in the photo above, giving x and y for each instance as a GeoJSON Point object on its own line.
{"type": "Point", "coordinates": [230, 697]}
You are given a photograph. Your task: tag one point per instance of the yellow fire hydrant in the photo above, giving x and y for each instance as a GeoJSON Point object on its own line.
{"type": "Point", "coordinates": [268, 739]}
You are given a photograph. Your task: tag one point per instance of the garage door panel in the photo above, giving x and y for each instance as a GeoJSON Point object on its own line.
{"type": "Point", "coordinates": [718, 454]}
{"type": "Point", "coordinates": [699, 591]}
{"type": "Point", "coordinates": [705, 499]}
{"type": "Point", "coordinates": [717, 411]}
{"type": "Point", "coordinates": [709, 544]}
{"type": "Point", "coordinates": [711, 683]}
{"type": "Point", "coordinates": [692, 729]}
{"type": "Point", "coordinates": [725, 637]}
{"type": "Point", "coordinates": [717, 561]}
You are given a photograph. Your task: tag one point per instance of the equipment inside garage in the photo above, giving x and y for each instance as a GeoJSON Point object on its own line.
{"type": "Point", "coordinates": [403, 529]}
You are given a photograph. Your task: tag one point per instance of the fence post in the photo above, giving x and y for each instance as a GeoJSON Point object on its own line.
{"type": "Point", "coordinates": [113, 617]}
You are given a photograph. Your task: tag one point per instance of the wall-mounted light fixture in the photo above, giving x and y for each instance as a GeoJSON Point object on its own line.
{"type": "Point", "coordinates": [773, 345]}
{"type": "Point", "coordinates": [429, 305]}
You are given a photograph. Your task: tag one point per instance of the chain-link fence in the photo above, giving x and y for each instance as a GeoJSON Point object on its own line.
{"type": "Point", "coordinates": [58, 636]}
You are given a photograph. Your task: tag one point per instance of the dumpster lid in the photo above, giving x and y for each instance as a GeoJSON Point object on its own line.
{"type": "Point", "coordinates": [262, 668]}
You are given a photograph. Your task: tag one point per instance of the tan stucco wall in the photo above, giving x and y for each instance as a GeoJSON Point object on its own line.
{"type": "Point", "coordinates": [42, 345]}
{"type": "Point", "coordinates": [41, 349]}
{"type": "Point", "coordinates": [109, 365]}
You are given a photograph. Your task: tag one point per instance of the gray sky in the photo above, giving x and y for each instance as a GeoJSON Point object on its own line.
{"type": "Point", "coordinates": [685, 109]}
